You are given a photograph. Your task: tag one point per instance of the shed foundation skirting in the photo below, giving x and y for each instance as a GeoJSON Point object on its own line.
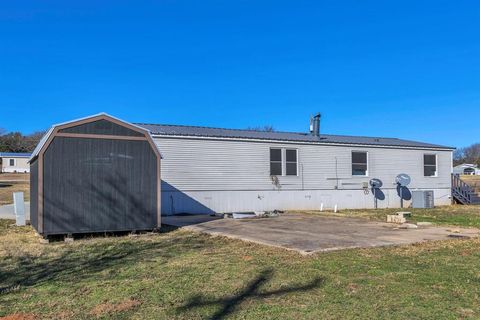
{"type": "Point", "coordinates": [205, 202]}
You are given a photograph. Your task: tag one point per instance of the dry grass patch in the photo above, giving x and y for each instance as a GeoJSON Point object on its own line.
{"type": "Point", "coordinates": [107, 308]}
{"type": "Point", "coordinates": [473, 181]}
{"type": "Point", "coordinates": [19, 241]}
{"type": "Point", "coordinates": [13, 182]}
{"type": "Point", "coordinates": [7, 190]}
{"type": "Point", "coordinates": [14, 177]}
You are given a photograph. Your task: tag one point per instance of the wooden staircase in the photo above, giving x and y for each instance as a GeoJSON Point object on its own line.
{"type": "Point", "coordinates": [466, 189]}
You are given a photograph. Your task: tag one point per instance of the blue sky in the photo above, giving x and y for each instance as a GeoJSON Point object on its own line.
{"type": "Point", "coordinates": [408, 69]}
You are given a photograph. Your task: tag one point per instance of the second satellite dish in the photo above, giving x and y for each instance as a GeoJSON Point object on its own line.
{"type": "Point", "coordinates": [376, 183]}
{"type": "Point", "coordinates": [403, 179]}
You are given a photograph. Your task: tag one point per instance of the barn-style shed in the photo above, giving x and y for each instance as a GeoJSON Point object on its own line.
{"type": "Point", "coordinates": [97, 174]}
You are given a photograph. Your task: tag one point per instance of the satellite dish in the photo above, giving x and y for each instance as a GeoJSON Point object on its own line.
{"type": "Point", "coordinates": [376, 183]}
{"type": "Point", "coordinates": [403, 179]}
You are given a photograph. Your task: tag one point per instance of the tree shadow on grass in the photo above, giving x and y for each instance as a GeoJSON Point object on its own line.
{"type": "Point", "coordinates": [229, 304]}
{"type": "Point", "coordinates": [81, 262]}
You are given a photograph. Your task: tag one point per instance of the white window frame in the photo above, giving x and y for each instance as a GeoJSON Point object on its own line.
{"type": "Point", "coordinates": [284, 161]}
{"type": "Point", "coordinates": [10, 163]}
{"type": "Point", "coordinates": [367, 172]}
{"type": "Point", "coordinates": [282, 156]}
{"type": "Point", "coordinates": [436, 164]}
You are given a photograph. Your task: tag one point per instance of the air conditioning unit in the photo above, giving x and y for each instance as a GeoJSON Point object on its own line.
{"type": "Point", "coordinates": [423, 199]}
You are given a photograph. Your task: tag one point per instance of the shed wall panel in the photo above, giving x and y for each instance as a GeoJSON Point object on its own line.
{"type": "Point", "coordinates": [102, 127]}
{"type": "Point", "coordinates": [99, 185]}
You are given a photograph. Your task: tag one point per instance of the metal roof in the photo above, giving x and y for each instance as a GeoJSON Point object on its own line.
{"type": "Point", "coordinates": [195, 131]}
{"type": "Point", "coordinates": [15, 155]}
{"type": "Point", "coordinates": [466, 165]}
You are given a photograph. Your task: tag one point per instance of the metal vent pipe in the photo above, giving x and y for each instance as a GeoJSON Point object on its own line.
{"type": "Point", "coordinates": [315, 125]}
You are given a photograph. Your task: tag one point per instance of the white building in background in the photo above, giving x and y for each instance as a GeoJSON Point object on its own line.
{"type": "Point", "coordinates": [466, 169]}
{"type": "Point", "coordinates": [14, 162]}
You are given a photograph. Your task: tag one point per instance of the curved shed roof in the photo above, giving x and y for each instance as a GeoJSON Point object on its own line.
{"type": "Point", "coordinates": [101, 116]}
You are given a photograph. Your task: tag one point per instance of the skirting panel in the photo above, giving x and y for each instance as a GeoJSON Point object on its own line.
{"type": "Point", "coordinates": [205, 202]}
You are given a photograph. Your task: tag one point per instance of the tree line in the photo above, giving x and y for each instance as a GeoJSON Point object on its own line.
{"type": "Point", "coordinates": [17, 142]}
{"type": "Point", "coordinates": [470, 154]}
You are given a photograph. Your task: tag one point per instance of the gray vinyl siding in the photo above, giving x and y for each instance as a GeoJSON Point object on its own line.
{"type": "Point", "coordinates": [221, 165]}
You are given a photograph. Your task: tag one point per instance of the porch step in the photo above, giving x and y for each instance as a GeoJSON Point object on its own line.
{"type": "Point", "coordinates": [463, 192]}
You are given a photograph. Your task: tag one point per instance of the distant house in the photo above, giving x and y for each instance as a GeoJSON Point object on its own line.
{"type": "Point", "coordinates": [466, 169]}
{"type": "Point", "coordinates": [14, 162]}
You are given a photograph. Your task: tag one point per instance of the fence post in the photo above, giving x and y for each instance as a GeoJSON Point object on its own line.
{"type": "Point", "coordinates": [19, 207]}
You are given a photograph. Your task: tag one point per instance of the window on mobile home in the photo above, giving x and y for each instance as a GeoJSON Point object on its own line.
{"type": "Point", "coordinates": [430, 165]}
{"type": "Point", "coordinates": [275, 162]}
{"type": "Point", "coordinates": [359, 163]}
{"type": "Point", "coordinates": [291, 162]}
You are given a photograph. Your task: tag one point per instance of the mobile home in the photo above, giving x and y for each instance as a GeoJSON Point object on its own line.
{"type": "Point", "coordinates": [14, 162]}
{"type": "Point", "coordinates": [206, 170]}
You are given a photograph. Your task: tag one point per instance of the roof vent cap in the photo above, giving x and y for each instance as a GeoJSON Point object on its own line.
{"type": "Point", "coordinates": [315, 125]}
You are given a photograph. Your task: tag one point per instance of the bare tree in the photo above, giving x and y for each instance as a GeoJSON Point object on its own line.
{"type": "Point", "coordinates": [33, 139]}
{"type": "Point", "coordinates": [469, 154]}
{"type": "Point", "coordinates": [458, 157]}
{"type": "Point", "coordinates": [265, 128]}
{"type": "Point", "coordinates": [16, 142]}
{"type": "Point", "coordinates": [3, 147]}
{"type": "Point", "coordinates": [472, 153]}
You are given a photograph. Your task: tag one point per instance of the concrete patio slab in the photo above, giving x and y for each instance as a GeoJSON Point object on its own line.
{"type": "Point", "coordinates": [309, 234]}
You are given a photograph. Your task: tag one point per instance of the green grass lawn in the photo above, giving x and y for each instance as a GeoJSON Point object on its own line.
{"type": "Point", "coordinates": [182, 275]}
{"type": "Point", "coordinates": [458, 215]}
